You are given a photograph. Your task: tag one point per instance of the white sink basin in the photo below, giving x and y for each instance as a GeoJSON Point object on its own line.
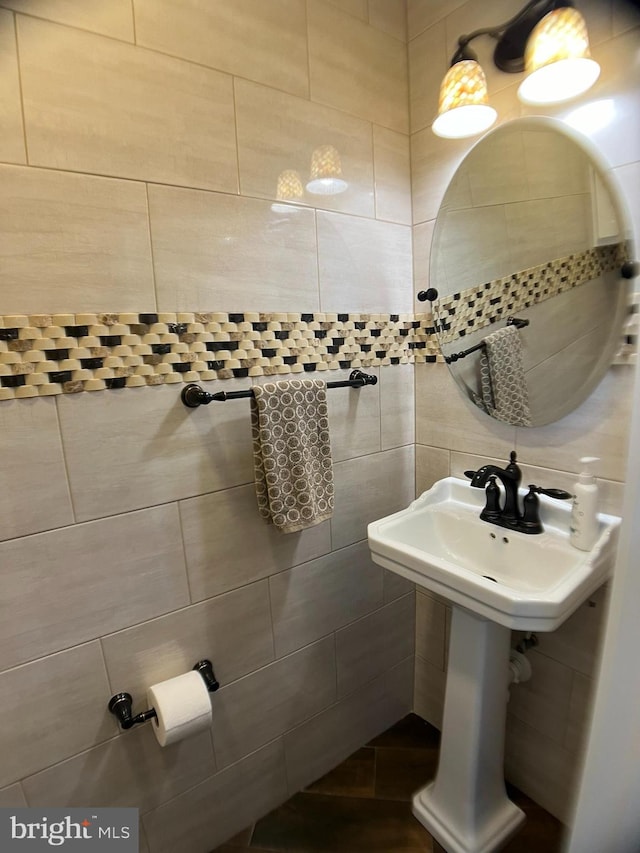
{"type": "Point", "coordinates": [522, 581]}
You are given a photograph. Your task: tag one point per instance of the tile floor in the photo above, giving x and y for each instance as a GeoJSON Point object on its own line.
{"type": "Point", "coordinates": [364, 805]}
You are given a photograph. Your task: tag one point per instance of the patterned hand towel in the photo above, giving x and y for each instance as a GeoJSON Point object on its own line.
{"type": "Point", "coordinates": [502, 379]}
{"type": "Point", "coordinates": [292, 453]}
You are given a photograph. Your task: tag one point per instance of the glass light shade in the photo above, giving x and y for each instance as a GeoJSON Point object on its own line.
{"type": "Point", "coordinates": [463, 107]}
{"type": "Point", "coordinates": [326, 172]}
{"type": "Point", "coordinates": [557, 59]}
{"type": "Point", "coordinates": [289, 186]}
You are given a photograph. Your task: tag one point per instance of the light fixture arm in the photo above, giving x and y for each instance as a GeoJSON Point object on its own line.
{"type": "Point", "coordinates": [510, 34]}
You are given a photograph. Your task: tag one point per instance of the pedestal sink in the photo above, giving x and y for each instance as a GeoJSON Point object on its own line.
{"type": "Point", "coordinates": [496, 580]}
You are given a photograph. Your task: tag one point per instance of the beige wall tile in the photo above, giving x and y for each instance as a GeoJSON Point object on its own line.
{"type": "Point", "coordinates": [474, 246]}
{"type": "Point", "coordinates": [93, 104]}
{"type": "Point", "coordinates": [431, 634]}
{"type": "Point", "coordinates": [12, 148]}
{"type": "Point", "coordinates": [389, 16]}
{"type": "Point", "coordinates": [392, 164]}
{"type": "Point", "coordinates": [228, 544]}
{"type": "Point", "coordinates": [369, 488]}
{"type": "Point", "coordinates": [266, 42]}
{"type": "Point", "coordinates": [356, 68]}
{"type": "Point", "coordinates": [278, 132]}
{"type": "Point", "coordinates": [230, 253]}
{"type": "Point", "coordinates": [429, 56]}
{"type": "Point", "coordinates": [185, 453]}
{"type": "Point", "coordinates": [114, 18]}
{"type": "Point", "coordinates": [576, 643]}
{"type": "Point", "coordinates": [367, 648]}
{"type": "Point", "coordinates": [51, 709]}
{"type": "Point", "coordinates": [460, 425]}
{"type": "Point", "coordinates": [599, 427]}
{"type": "Point", "coordinates": [582, 693]}
{"type": "Point", "coordinates": [432, 464]}
{"type": "Point", "coordinates": [625, 16]}
{"type": "Point", "coordinates": [354, 418]}
{"type": "Point", "coordinates": [32, 457]}
{"type": "Point", "coordinates": [433, 164]}
{"type": "Point", "coordinates": [322, 595]}
{"type": "Point", "coordinates": [81, 582]}
{"type": "Point", "coordinates": [130, 771]}
{"type": "Point", "coordinates": [261, 706]}
{"type": "Point", "coordinates": [233, 631]}
{"type": "Point", "coordinates": [540, 768]}
{"type": "Point", "coordinates": [213, 811]}
{"type": "Point", "coordinates": [422, 237]}
{"type": "Point", "coordinates": [429, 692]}
{"type": "Point", "coordinates": [397, 403]}
{"type": "Point", "coordinates": [372, 258]}
{"type": "Point", "coordinates": [72, 243]}
{"type": "Point", "coordinates": [321, 743]}
{"type": "Point", "coordinates": [423, 13]}
{"type": "Point", "coordinates": [357, 8]}
{"type": "Point", "coordinates": [543, 701]}
{"type": "Point", "coordinates": [12, 798]}
{"type": "Point", "coordinates": [395, 586]}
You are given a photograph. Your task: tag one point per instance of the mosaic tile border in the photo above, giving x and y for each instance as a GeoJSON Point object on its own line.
{"type": "Point", "coordinates": [42, 355]}
{"type": "Point", "coordinates": [479, 306]}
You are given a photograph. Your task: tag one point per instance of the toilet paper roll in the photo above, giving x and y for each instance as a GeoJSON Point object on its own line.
{"type": "Point", "coordinates": [182, 705]}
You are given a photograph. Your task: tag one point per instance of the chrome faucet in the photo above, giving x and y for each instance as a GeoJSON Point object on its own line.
{"type": "Point", "coordinates": [509, 515]}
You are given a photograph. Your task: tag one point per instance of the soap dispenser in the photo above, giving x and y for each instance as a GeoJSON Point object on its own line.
{"type": "Point", "coordinates": [584, 515]}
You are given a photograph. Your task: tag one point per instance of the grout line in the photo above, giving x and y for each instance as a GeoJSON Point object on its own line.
{"type": "Point", "coordinates": [308, 44]}
{"type": "Point", "coordinates": [133, 21]}
{"type": "Point", "coordinates": [184, 552]}
{"type": "Point", "coordinates": [149, 182]}
{"type": "Point", "coordinates": [20, 87]}
{"type": "Point", "coordinates": [319, 286]}
{"type": "Point", "coordinates": [67, 475]}
{"type": "Point", "coordinates": [236, 139]}
{"type": "Point", "coordinates": [151, 252]}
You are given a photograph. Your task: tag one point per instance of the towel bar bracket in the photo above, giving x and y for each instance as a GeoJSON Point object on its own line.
{"type": "Point", "coordinates": [193, 395]}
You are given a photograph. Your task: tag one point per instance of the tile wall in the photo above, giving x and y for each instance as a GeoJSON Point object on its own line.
{"type": "Point", "coordinates": [140, 151]}
{"type": "Point", "coordinates": [546, 716]}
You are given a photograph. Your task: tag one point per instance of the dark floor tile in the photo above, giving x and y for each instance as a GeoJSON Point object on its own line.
{"type": "Point", "coordinates": [400, 772]}
{"type": "Point", "coordinates": [355, 777]}
{"type": "Point", "coordinates": [541, 831]}
{"type": "Point", "coordinates": [411, 732]}
{"type": "Point", "coordinates": [319, 823]}
{"type": "Point", "coordinates": [242, 839]}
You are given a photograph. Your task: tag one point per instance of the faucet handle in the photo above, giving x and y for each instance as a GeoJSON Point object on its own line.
{"type": "Point", "coordinates": [558, 494]}
{"type": "Point", "coordinates": [470, 474]}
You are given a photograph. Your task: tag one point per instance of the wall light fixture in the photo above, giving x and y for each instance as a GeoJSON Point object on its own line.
{"type": "Point", "coordinates": [547, 39]}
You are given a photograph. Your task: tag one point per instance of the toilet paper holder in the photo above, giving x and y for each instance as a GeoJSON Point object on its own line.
{"type": "Point", "coordinates": [121, 705]}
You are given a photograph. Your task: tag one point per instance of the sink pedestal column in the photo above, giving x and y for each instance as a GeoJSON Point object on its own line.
{"type": "Point", "coordinates": [466, 807]}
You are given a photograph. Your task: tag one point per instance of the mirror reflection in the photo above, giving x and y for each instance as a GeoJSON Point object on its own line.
{"type": "Point", "coordinates": [526, 257]}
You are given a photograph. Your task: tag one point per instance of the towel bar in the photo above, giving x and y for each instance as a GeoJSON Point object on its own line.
{"type": "Point", "coordinates": [194, 396]}
{"type": "Point", "coordinates": [511, 321]}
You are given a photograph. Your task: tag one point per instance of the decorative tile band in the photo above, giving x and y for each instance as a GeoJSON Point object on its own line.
{"type": "Point", "coordinates": [479, 306]}
{"type": "Point", "coordinates": [68, 353]}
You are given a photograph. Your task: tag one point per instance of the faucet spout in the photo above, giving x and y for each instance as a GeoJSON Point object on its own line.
{"type": "Point", "coordinates": [510, 478]}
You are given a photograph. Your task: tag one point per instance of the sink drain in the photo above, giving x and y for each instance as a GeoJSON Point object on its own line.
{"type": "Point", "coordinates": [489, 578]}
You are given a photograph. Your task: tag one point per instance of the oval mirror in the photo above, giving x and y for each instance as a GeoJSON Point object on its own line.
{"type": "Point", "coordinates": [526, 257]}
